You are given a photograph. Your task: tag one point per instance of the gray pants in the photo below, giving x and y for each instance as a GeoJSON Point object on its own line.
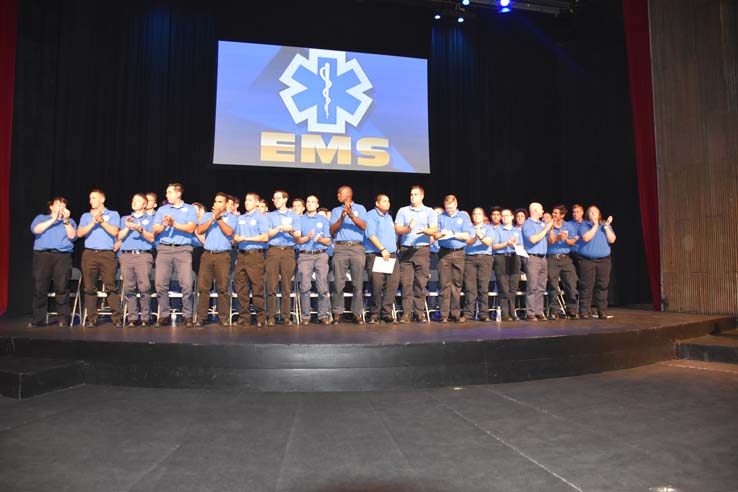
{"type": "Point", "coordinates": [536, 285]}
{"type": "Point", "coordinates": [306, 265]}
{"type": "Point", "coordinates": [348, 258]}
{"type": "Point", "coordinates": [414, 275]}
{"type": "Point", "coordinates": [168, 260]}
{"type": "Point", "coordinates": [136, 272]}
{"type": "Point", "coordinates": [477, 274]}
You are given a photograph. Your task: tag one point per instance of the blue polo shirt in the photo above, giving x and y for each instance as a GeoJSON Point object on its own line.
{"type": "Point", "coordinates": [276, 219]}
{"type": "Point", "coordinates": [215, 240]}
{"type": "Point", "coordinates": [503, 235]}
{"type": "Point", "coordinates": [459, 222]}
{"type": "Point", "coordinates": [250, 225]}
{"type": "Point", "coordinates": [560, 247]}
{"type": "Point", "coordinates": [55, 237]}
{"type": "Point", "coordinates": [424, 218]}
{"type": "Point", "coordinates": [134, 240]}
{"type": "Point", "coordinates": [98, 238]}
{"type": "Point", "coordinates": [530, 228]}
{"type": "Point", "coordinates": [478, 248]}
{"type": "Point", "coordinates": [597, 247]}
{"type": "Point", "coordinates": [181, 215]}
{"type": "Point", "coordinates": [349, 231]}
{"type": "Point", "coordinates": [575, 225]}
{"type": "Point", "coordinates": [318, 225]}
{"type": "Point", "coordinates": [382, 226]}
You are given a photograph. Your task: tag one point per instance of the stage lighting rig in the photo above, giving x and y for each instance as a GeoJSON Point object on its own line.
{"type": "Point", "coordinates": [452, 9]}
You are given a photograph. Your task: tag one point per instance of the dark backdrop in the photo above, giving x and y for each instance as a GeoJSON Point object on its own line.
{"type": "Point", "coordinates": [522, 108]}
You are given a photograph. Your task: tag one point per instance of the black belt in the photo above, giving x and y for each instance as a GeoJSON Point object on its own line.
{"type": "Point", "coordinates": [251, 251]}
{"type": "Point", "coordinates": [349, 243]}
{"type": "Point", "coordinates": [596, 259]}
{"type": "Point", "coordinates": [311, 251]}
{"type": "Point", "coordinates": [536, 254]}
{"type": "Point", "coordinates": [218, 252]}
{"type": "Point", "coordinates": [558, 255]}
{"type": "Point", "coordinates": [98, 250]}
{"type": "Point", "coordinates": [451, 249]}
{"type": "Point", "coordinates": [173, 245]}
{"type": "Point", "coordinates": [274, 246]}
{"type": "Point", "coordinates": [54, 251]}
{"type": "Point", "coordinates": [504, 254]}
{"type": "Point", "coordinates": [135, 251]}
{"type": "Point", "coordinates": [415, 247]}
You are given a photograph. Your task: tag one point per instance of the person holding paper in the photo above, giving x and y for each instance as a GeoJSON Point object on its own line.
{"type": "Point", "coordinates": [507, 264]}
{"type": "Point", "coordinates": [534, 240]}
{"type": "Point", "coordinates": [380, 243]}
{"type": "Point", "coordinates": [452, 237]}
{"type": "Point", "coordinates": [478, 266]}
{"type": "Point", "coordinates": [597, 236]}
{"type": "Point", "coordinates": [312, 259]}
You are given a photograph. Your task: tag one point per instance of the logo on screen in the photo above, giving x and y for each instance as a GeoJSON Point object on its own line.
{"type": "Point", "coordinates": [325, 90]}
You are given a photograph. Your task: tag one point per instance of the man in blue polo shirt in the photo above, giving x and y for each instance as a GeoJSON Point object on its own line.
{"type": "Point", "coordinates": [174, 225]}
{"type": "Point", "coordinates": [380, 244]}
{"type": "Point", "coordinates": [54, 235]}
{"type": "Point", "coordinates": [347, 228]}
{"type": "Point", "coordinates": [534, 240]}
{"type": "Point", "coordinates": [251, 236]}
{"type": "Point", "coordinates": [506, 264]}
{"type": "Point", "coordinates": [217, 228]}
{"type": "Point", "coordinates": [136, 243]}
{"type": "Point", "coordinates": [284, 229]}
{"type": "Point", "coordinates": [100, 227]}
{"type": "Point", "coordinates": [453, 226]}
{"type": "Point", "coordinates": [416, 225]}
{"type": "Point", "coordinates": [314, 240]}
{"type": "Point", "coordinates": [561, 238]}
{"type": "Point", "coordinates": [478, 266]}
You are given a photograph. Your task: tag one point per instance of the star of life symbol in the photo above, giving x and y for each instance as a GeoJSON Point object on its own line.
{"type": "Point", "coordinates": [325, 90]}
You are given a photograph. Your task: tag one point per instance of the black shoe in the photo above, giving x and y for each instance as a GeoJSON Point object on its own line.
{"type": "Point", "coordinates": [131, 323]}
{"type": "Point", "coordinates": [198, 324]}
{"type": "Point", "coordinates": [359, 321]}
{"type": "Point", "coordinates": [388, 319]}
{"type": "Point", "coordinates": [259, 324]}
{"type": "Point", "coordinates": [541, 317]}
{"type": "Point", "coordinates": [325, 321]}
{"type": "Point", "coordinates": [405, 319]}
{"type": "Point", "coordinates": [572, 316]}
{"type": "Point", "coordinates": [461, 319]}
{"type": "Point", "coordinates": [583, 315]}
{"type": "Point", "coordinates": [443, 319]}
{"type": "Point", "coordinates": [224, 324]}
{"type": "Point", "coordinates": [552, 316]}
{"type": "Point", "coordinates": [484, 318]}
{"type": "Point", "coordinates": [602, 314]}
{"type": "Point", "coordinates": [509, 318]}
{"type": "Point", "coordinates": [33, 324]}
{"type": "Point", "coordinates": [164, 321]}
{"type": "Point", "coordinates": [117, 322]}
{"type": "Point", "coordinates": [373, 320]}
{"type": "Point", "coordinates": [188, 322]}
{"type": "Point", "coordinates": [63, 324]}
{"type": "Point", "coordinates": [530, 317]}
{"type": "Point", "coordinates": [271, 322]}
{"type": "Point", "coordinates": [287, 322]}
{"type": "Point", "coordinates": [305, 321]}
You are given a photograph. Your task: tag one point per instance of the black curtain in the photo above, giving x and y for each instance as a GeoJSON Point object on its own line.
{"type": "Point", "coordinates": [122, 97]}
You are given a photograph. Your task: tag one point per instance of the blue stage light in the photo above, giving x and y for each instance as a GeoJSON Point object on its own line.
{"type": "Point", "coordinates": [505, 10]}
{"type": "Point", "coordinates": [465, 2]}
{"type": "Point", "coordinates": [504, 3]}
{"type": "Point", "coordinates": [437, 16]}
{"type": "Point", "coordinates": [460, 20]}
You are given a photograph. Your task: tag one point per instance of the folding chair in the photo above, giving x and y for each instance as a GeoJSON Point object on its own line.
{"type": "Point", "coordinates": [75, 285]}
{"type": "Point", "coordinates": [102, 297]}
{"type": "Point", "coordinates": [176, 293]}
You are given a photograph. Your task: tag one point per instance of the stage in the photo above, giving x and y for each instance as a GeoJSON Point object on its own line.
{"type": "Point", "coordinates": [339, 357]}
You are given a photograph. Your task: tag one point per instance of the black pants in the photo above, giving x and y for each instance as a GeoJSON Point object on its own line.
{"type": "Point", "coordinates": [102, 264]}
{"type": "Point", "coordinates": [414, 274]}
{"type": "Point", "coordinates": [477, 273]}
{"type": "Point", "coordinates": [384, 286]}
{"type": "Point", "coordinates": [507, 277]}
{"type": "Point", "coordinates": [594, 281]}
{"type": "Point", "coordinates": [48, 266]}
{"type": "Point", "coordinates": [561, 267]}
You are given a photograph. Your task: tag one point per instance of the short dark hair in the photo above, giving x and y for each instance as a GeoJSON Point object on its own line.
{"type": "Point", "coordinates": [518, 210]}
{"type": "Point", "coordinates": [299, 200]}
{"type": "Point", "coordinates": [57, 199]}
{"type": "Point", "coordinates": [224, 195]}
{"type": "Point", "coordinates": [177, 186]}
{"type": "Point", "coordinates": [285, 195]}
{"type": "Point", "coordinates": [417, 187]}
{"type": "Point", "coordinates": [251, 193]}
{"type": "Point", "coordinates": [495, 208]}
{"type": "Point", "coordinates": [561, 208]}
{"type": "Point", "coordinates": [97, 190]}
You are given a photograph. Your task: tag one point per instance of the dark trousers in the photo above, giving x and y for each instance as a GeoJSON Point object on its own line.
{"type": "Point", "coordinates": [280, 268]}
{"type": "Point", "coordinates": [48, 266]}
{"type": "Point", "coordinates": [102, 264]}
{"type": "Point", "coordinates": [507, 277]}
{"type": "Point", "coordinates": [384, 286]}
{"type": "Point", "coordinates": [561, 267]}
{"type": "Point", "coordinates": [214, 265]}
{"type": "Point", "coordinates": [593, 283]}
{"type": "Point", "coordinates": [414, 275]}
{"type": "Point", "coordinates": [450, 276]}
{"type": "Point", "coordinates": [348, 258]}
{"type": "Point", "coordinates": [477, 273]}
{"type": "Point", "coordinates": [250, 271]}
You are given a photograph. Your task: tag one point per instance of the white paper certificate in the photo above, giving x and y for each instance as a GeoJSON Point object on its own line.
{"type": "Point", "coordinates": [381, 266]}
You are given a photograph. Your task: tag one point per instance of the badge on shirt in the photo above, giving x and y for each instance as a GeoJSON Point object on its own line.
{"type": "Point", "coordinates": [184, 209]}
{"type": "Point", "coordinates": [286, 220]}
{"type": "Point", "coordinates": [459, 221]}
{"type": "Point", "coordinates": [319, 225]}
{"type": "Point", "coordinates": [253, 222]}
{"type": "Point", "coordinates": [145, 222]}
{"type": "Point", "coordinates": [225, 219]}
{"type": "Point", "coordinates": [356, 213]}
{"type": "Point", "coordinates": [106, 218]}
{"type": "Point", "coordinates": [243, 221]}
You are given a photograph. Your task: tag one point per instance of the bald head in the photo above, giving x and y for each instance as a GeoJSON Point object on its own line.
{"type": "Point", "coordinates": [535, 210]}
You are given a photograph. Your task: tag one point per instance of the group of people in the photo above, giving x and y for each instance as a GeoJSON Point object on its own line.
{"type": "Point", "coordinates": [271, 247]}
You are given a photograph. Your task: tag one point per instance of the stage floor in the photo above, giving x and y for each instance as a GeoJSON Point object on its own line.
{"type": "Point", "coordinates": [357, 357]}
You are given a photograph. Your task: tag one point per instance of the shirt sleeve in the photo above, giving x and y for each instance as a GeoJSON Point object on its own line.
{"type": "Point", "coordinates": [37, 221]}
{"type": "Point", "coordinates": [205, 218]}
{"type": "Point", "coordinates": [85, 219]}
{"type": "Point", "coordinates": [159, 215]}
{"type": "Point", "coordinates": [371, 226]}
{"type": "Point", "coordinates": [432, 217]}
{"type": "Point", "coordinates": [400, 217]}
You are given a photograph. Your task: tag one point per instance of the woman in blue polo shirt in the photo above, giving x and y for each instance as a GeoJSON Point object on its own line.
{"type": "Point", "coordinates": [596, 237]}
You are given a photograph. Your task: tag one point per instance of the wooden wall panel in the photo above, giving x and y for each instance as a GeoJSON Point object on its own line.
{"type": "Point", "coordinates": [694, 53]}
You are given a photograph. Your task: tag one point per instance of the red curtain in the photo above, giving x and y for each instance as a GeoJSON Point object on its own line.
{"type": "Point", "coordinates": [635, 13]}
{"type": "Point", "coordinates": [8, 30]}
